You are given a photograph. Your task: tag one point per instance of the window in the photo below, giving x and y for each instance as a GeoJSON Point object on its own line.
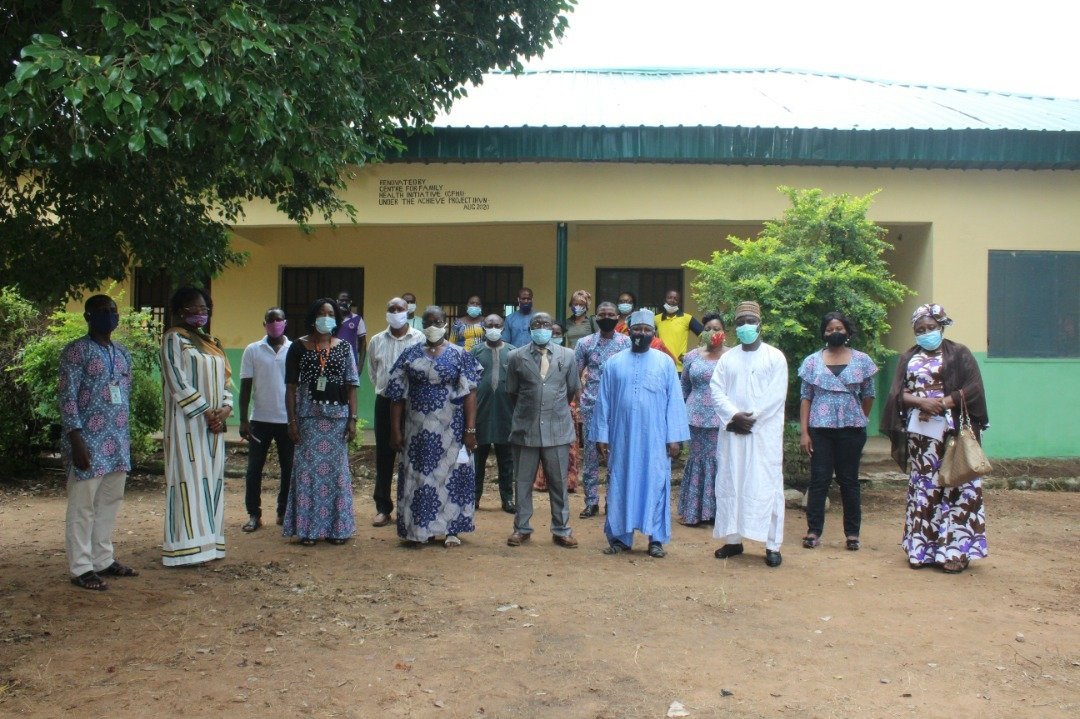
{"type": "Point", "coordinates": [647, 284]}
{"type": "Point", "coordinates": [497, 287]}
{"type": "Point", "coordinates": [300, 286]}
{"type": "Point", "coordinates": [1033, 306]}
{"type": "Point", "coordinates": [153, 291]}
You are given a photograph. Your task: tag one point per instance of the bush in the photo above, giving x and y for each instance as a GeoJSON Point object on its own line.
{"type": "Point", "coordinates": [39, 374]}
{"type": "Point", "coordinates": [20, 322]}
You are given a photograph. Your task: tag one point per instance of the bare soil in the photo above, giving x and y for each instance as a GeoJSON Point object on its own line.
{"type": "Point", "coordinates": [373, 629]}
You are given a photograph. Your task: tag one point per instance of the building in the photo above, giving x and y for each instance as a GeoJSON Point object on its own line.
{"type": "Point", "coordinates": [610, 180]}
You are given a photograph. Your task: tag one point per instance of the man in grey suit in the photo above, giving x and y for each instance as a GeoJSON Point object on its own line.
{"type": "Point", "coordinates": [541, 381]}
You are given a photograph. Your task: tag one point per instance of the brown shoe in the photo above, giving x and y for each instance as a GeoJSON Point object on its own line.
{"type": "Point", "coordinates": [568, 541]}
{"type": "Point", "coordinates": [517, 539]}
{"type": "Point", "coordinates": [381, 520]}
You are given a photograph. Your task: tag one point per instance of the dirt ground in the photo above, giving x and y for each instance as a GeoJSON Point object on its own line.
{"type": "Point", "coordinates": [373, 629]}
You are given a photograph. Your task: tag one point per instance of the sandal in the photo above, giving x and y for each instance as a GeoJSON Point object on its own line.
{"type": "Point", "coordinates": [656, 550]}
{"type": "Point", "coordinates": [451, 541]}
{"type": "Point", "coordinates": [810, 541]}
{"type": "Point", "coordinates": [337, 542]}
{"type": "Point", "coordinates": [91, 581]}
{"type": "Point", "coordinates": [616, 547]}
{"type": "Point", "coordinates": [116, 569]}
{"type": "Point", "coordinates": [954, 566]}
{"type": "Point", "coordinates": [251, 525]}
{"type": "Point", "coordinates": [852, 544]}
{"type": "Point", "coordinates": [305, 542]}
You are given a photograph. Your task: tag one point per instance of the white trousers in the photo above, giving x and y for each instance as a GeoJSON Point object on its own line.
{"type": "Point", "coordinates": [91, 516]}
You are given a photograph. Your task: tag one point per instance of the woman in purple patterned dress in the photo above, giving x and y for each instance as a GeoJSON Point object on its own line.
{"type": "Point", "coordinates": [432, 388]}
{"type": "Point", "coordinates": [697, 491]}
{"type": "Point", "coordinates": [320, 398]}
{"type": "Point", "coordinates": [944, 526]}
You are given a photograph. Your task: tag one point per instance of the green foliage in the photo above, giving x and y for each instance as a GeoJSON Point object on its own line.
{"type": "Point", "coordinates": [38, 373]}
{"type": "Point", "coordinates": [822, 255]}
{"type": "Point", "coordinates": [20, 322]}
{"type": "Point", "coordinates": [136, 130]}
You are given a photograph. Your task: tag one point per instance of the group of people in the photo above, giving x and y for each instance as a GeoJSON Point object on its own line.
{"type": "Point", "coordinates": [622, 387]}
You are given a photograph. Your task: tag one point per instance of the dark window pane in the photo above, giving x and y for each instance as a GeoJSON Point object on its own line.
{"type": "Point", "coordinates": [153, 290]}
{"type": "Point", "coordinates": [1033, 304]}
{"type": "Point", "coordinates": [648, 284]}
{"type": "Point", "coordinates": [495, 285]}
{"type": "Point", "coordinates": [300, 286]}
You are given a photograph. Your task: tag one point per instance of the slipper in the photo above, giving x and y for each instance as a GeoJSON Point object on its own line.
{"type": "Point", "coordinates": [116, 569]}
{"type": "Point", "coordinates": [337, 542]}
{"type": "Point", "coordinates": [304, 541]}
{"type": "Point", "coordinates": [810, 541]}
{"type": "Point", "coordinates": [954, 566]}
{"type": "Point", "coordinates": [451, 541]}
{"type": "Point", "coordinates": [616, 547]}
{"type": "Point", "coordinates": [91, 581]}
{"type": "Point", "coordinates": [852, 544]}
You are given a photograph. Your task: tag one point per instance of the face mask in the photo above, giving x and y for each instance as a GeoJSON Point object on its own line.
{"type": "Point", "coordinates": [557, 340]}
{"type": "Point", "coordinates": [102, 323]}
{"type": "Point", "coordinates": [434, 334]}
{"type": "Point", "coordinates": [671, 309]}
{"type": "Point", "coordinates": [412, 308]}
{"type": "Point", "coordinates": [493, 334]}
{"type": "Point", "coordinates": [836, 339]}
{"type": "Point", "coordinates": [639, 341]}
{"type": "Point", "coordinates": [606, 324]}
{"type": "Point", "coordinates": [397, 320]}
{"type": "Point", "coordinates": [473, 311]}
{"type": "Point", "coordinates": [625, 308]}
{"type": "Point", "coordinates": [929, 341]}
{"type": "Point", "coordinates": [748, 334]}
{"type": "Point", "coordinates": [540, 336]}
{"type": "Point", "coordinates": [578, 310]}
{"type": "Point", "coordinates": [345, 307]}
{"type": "Point", "coordinates": [325, 325]}
{"type": "Point", "coordinates": [196, 320]}
{"type": "Point", "coordinates": [275, 328]}
{"type": "Point", "coordinates": [712, 338]}
{"type": "Point", "coordinates": [525, 307]}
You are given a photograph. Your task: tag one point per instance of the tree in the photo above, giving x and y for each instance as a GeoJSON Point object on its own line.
{"type": "Point", "coordinates": [822, 255]}
{"type": "Point", "coordinates": [133, 131]}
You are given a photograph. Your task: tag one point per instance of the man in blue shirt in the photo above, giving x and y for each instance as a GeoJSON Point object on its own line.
{"type": "Point", "coordinates": [95, 398]}
{"type": "Point", "coordinates": [516, 331]}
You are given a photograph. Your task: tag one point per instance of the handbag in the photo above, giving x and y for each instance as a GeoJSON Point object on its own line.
{"type": "Point", "coordinates": [964, 459]}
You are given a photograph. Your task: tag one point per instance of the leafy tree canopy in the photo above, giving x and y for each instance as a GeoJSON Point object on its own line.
{"type": "Point", "coordinates": [135, 130]}
{"type": "Point", "coordinates": [824, 254]}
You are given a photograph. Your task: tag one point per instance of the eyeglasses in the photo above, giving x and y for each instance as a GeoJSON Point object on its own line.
{"type": "Point", "coordinates": [434, 323]}
{"type": "Point", "coordinates": [541, 325]}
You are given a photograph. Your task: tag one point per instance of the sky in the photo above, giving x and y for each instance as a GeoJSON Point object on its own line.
{"type": "Point", "coordinates": [1020, 47]}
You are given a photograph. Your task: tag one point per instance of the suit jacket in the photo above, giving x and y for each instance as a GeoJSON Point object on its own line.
{"type": "Point", "coordinates": [493, 410]}
{"type": "Point", "coordinates": [542, 406]}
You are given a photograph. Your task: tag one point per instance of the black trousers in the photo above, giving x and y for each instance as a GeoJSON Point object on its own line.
{"type": "Point", "coordinates": [385, 457]}
{"type": "Point", "coordinates": [263, 433]}
{"type": "Point", "coordinates": [504, 459]}
{"type": "Point", "coordinates": [840, 451]}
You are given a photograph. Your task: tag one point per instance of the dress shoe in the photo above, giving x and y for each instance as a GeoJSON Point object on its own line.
{"type": "Point", "coordinates": [772, 558]}
{"type": "Point", "coordinates": [252, 524]}
{"type": "Point", "coordinates": [591, 510]}
{"type": "Point", "coordinates": [568, 541]}
{"type": "Point", "coordinates": [381, 520]}
{"type": "Point", "coordinates": [517, 539]}
{"type": "Point", "coordinates": [509, 508]}
{"type": "Point", "coordinates": [281, 520]}
{"type": "Point", "coordinates": [656, 550]}
{"type": "Point", "coordinates": [728, 550]}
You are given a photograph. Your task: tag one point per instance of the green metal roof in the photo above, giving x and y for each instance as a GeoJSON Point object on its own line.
{"type": "Point", "coordinates": [867, 124]}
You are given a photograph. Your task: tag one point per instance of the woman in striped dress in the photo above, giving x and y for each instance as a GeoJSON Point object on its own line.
{"type": "Point", "coordinates": [198, 400]}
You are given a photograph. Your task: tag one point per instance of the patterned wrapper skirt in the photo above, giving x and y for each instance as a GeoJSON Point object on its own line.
{"type": "Point", "coordinates": [942, 523]}
{"type": "Point", "coordinates": [320, 494]}
{"type": "Point", "coordinates": [697, 491]}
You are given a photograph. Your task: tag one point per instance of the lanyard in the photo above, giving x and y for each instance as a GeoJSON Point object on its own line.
{"type": "Point", "coordinates": [323, 356]}
{"type": "Point", "coordinates": [110, 356]}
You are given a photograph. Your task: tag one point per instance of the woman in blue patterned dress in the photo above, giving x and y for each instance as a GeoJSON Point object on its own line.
{"type": "Point", "coordinates": [320, 397]}
{"type": "Point", "coordinates": [944, 526]}
{"type": "Point", "coordinates": [697, 491]}
{"type": "Point", "coordinates": [432, 388]}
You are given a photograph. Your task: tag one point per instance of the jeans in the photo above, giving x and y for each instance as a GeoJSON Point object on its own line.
{"type": "Point", "coordinates": [835, 450]}
{"type": "Point", "coordinates": [385, 457]}
{"type": "Point", "coordinates": [505, 460]}
{"type": "Point", "coordinates": [263, 433]}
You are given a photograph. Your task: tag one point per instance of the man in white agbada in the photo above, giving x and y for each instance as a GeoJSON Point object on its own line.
{"type": "Point", "coordinates": [749, 386]}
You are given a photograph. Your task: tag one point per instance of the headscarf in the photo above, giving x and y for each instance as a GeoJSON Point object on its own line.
{"type": "Point", "coordinates": [748, 307]}
{"type": "Point", "coordinates": [584, 296]}
{"type": "Point", "coordinates": [641, 317]}
{"type": "Point", "coordinates": [934, 312]}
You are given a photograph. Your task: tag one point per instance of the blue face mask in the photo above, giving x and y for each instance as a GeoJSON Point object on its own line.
{"type": "Point", "coordinates": [325, 325]}
{"type": "Point", "coordinates": [748, 334]}
{"type": "Point", "coordinates": [540, 335]}
{"type": "Point", "coordinates": [929, 341]}
{"type": "Point", "coordinates": [473, 311]}
{"type": "Point", "coordinates": [557, 340]}
{"type": "Point", "coordinates": [625, 308]}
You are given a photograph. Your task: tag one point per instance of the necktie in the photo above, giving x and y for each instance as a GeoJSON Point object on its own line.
{"type": "Point", "coordinates": [544, 364]}
{"type": "Point", "coordinates": [495, 369]}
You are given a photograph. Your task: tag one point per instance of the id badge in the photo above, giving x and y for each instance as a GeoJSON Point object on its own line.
{"type": "Point", "coordinates": [320, 384]}
{"type": "Point", "coordinates": [114, 394]}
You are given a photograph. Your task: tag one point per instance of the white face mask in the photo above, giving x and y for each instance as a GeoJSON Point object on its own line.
{"type": "Point", "coordinates": [493, 334]}
{"type": "Point", "coordinates": [412, 308]}
{"type": "Point", "coordinates": [671, 309]}
{"type": "Point", "coordinates": [434, 334]}
{"type": "Point", "coordinates": [397, 320]}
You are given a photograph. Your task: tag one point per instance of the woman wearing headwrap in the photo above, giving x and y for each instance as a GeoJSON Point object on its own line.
{"type": "Point", "coordinates": [944, 526]}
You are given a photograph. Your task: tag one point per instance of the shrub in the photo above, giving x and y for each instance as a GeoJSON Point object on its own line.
{"type": "Point", "coordinates": [20, 322]}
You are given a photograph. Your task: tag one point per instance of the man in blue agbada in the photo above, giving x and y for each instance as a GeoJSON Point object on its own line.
{"type": "Point", "coordinates": [640, 415]}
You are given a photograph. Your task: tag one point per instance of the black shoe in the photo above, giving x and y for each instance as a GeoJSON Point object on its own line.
{"type": "Point", "coordinates": [591, 510]}
{"type": "Point", "coordinates": [772, 558]}
{"type": "Point", "coordinates": [509, 508]}
{"type": "Point", "coordinates": [728, 550]}
{"type": "Point", "coordinates": [656, 550]}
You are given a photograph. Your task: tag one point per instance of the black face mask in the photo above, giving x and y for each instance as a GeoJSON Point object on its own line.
{"type": "Point", "coordinates": [639, 342]}
{"type": "Point", "coordinates": [836, 339]}
{"type": "Point", "coordinates": [606, 324]}
{"type": "Point", "coordinates": [102, 323]}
